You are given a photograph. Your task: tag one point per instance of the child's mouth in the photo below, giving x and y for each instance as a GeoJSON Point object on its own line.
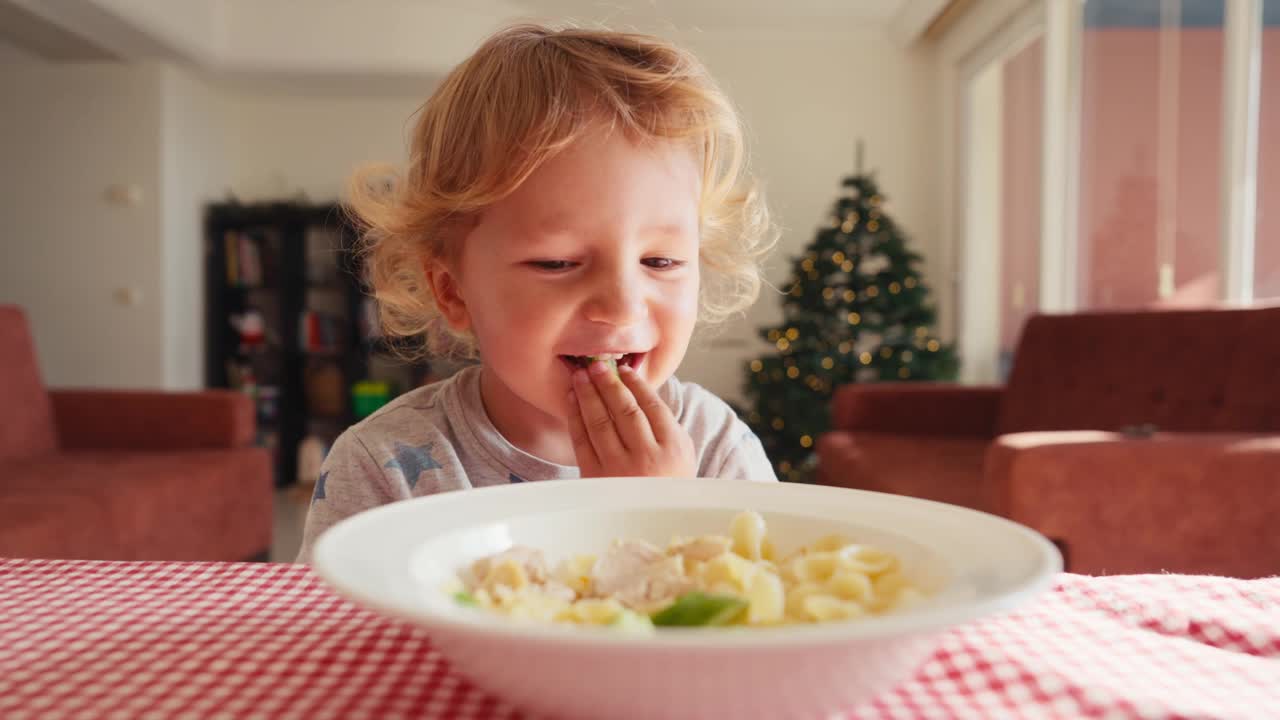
{"type": "Point", "coordinates": [631, 360]}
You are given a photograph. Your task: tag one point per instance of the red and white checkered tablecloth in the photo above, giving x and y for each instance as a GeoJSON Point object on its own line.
{"type": "Point", "coordinates": [136, 640]}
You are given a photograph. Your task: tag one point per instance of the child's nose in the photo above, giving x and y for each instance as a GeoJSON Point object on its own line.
{"type": "Point", "coordinates": [617, 300]}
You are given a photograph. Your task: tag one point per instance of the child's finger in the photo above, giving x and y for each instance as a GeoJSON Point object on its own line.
{"type": "Point", "coordinates": [630, 422]}
{"type": "Point", "coordinates": [595, 416]}
{"type": "Point", "coordinates": [662, 423]}
{"type": "Point", "coordinates": [582, 447]}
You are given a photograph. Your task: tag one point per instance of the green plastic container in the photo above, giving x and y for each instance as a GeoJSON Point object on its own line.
{"type": "Point", "coordinates": [369, 395]}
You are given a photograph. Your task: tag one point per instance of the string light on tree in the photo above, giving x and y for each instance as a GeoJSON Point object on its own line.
{"type": "Point", "coordinates": [856, 309]}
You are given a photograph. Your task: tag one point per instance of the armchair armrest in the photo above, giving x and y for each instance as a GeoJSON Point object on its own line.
{"type": "Point", "coordinates": [152, 420]}
{"type": "Point", "coordinates": [1186, 503]}
{"type": "Point", "coordinates": [917, 409]}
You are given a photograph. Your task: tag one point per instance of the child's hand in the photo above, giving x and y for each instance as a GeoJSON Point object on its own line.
{"type": "Point", "coordinates": [620, 427]}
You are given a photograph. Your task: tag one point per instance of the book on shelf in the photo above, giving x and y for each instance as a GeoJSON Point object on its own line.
{"type": "Point", "coordinates": [319, 332]}
{"type": "Point", "coordinates": [244, 260]}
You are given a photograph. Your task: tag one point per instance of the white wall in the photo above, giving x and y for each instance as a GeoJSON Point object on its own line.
{"type": "Point", "coordinates": [806, 97]}
{"type": "Point", "coordinates": [194, 170]}
{"type": "Point", "coordinates": [281, 143]}
{"type": "Point", "coordinates": [114, 291]}
{"type": "Point", "coordinates": [66, 135]}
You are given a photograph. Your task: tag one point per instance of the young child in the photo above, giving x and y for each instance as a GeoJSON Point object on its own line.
{"type": "Point", "coordinates": [572, 195]}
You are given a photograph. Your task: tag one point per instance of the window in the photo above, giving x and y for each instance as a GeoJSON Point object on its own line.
{"type": "Point", "coordinates": [1266, 264]}
{"type": "Point", "coordinates": [1151, 93]}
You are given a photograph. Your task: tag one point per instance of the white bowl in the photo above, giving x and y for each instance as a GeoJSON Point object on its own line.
{"type": "Point", "coordinates": [395, 559]}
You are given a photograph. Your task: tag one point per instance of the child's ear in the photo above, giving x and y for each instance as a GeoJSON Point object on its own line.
{"type": "Point", "coordinates": [448, 295]}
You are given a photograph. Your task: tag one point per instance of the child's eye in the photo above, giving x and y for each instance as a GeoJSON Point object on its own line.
{"type": "Point", "coordinates": [551, 265]}
{"type": "Point", "coordinates": [662, 263]}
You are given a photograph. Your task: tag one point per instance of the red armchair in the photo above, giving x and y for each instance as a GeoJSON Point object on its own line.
{"type": "Point", "coordinates": [101, 474]}
{"type": "Point", "coordinates": [1139, 442]}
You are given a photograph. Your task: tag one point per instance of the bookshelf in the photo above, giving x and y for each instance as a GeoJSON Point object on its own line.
{"type": "Point", "coordinates": [288, 321]}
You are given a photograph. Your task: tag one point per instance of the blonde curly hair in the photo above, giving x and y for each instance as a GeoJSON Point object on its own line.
{"type": "Point", "coordinates": [524, 95]}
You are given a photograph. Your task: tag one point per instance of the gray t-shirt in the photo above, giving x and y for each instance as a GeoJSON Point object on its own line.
{"type": "Point", "coordinates": [438, 438]}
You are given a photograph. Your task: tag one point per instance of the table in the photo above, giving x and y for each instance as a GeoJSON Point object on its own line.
{"type": "Point", "coordinates": [169, 639]}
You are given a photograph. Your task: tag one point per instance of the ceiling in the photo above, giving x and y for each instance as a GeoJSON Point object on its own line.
{"type": "Point", "coordinates": [384, 38]}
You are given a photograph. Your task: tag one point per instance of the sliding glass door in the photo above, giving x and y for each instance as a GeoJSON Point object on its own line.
{"type": "Point", "coordinates": [1150, 154]}
{"type": "Point", "coordinates": [1266, 267]}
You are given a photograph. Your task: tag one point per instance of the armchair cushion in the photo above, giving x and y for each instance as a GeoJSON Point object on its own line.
{"type": "Point", "coordinates": [197, 505]}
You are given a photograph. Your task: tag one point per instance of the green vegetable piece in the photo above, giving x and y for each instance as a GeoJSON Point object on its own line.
{"type": "Point", "coordinates": [463, 597]}
{"type": "Point", "coordinates": [698, 609]}
{"type": "Point", "coordinates": [613, 364]}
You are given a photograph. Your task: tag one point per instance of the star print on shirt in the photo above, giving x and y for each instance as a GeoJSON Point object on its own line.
{"type": "Point", "coordinates": [514, 478]}
{"type": "Point", "coordinates": [319, 492]}
{"type": "Point", "coordinates": [413, 461]}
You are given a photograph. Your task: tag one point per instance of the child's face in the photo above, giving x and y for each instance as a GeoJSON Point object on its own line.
{"type": "Point", "coordinates": [595, 253]}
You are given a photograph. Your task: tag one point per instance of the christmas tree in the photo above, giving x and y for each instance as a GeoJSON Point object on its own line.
{"type": "Point", "coordinates": [855, 310]}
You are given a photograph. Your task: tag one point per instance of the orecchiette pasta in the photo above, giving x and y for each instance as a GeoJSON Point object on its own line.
{"type": "Point", "coordinates": [707, 580]}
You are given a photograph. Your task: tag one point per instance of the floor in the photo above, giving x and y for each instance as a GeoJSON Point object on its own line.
{"type": "Point", "coordinates": [290, 513]}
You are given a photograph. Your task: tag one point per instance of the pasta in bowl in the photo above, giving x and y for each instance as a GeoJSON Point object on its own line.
{"type": "Point", "coordinates": [718, 580]}
{"type": "Point", "coordinates": [948, 565]}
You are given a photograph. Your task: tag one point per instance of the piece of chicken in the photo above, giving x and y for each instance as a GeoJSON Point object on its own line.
{"type": "Point", "coordinates": [640, 577]}
{"type": "Point", "coordinates": [531, 560]}
{"type": "Point", "coordinates": [622, 564]}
